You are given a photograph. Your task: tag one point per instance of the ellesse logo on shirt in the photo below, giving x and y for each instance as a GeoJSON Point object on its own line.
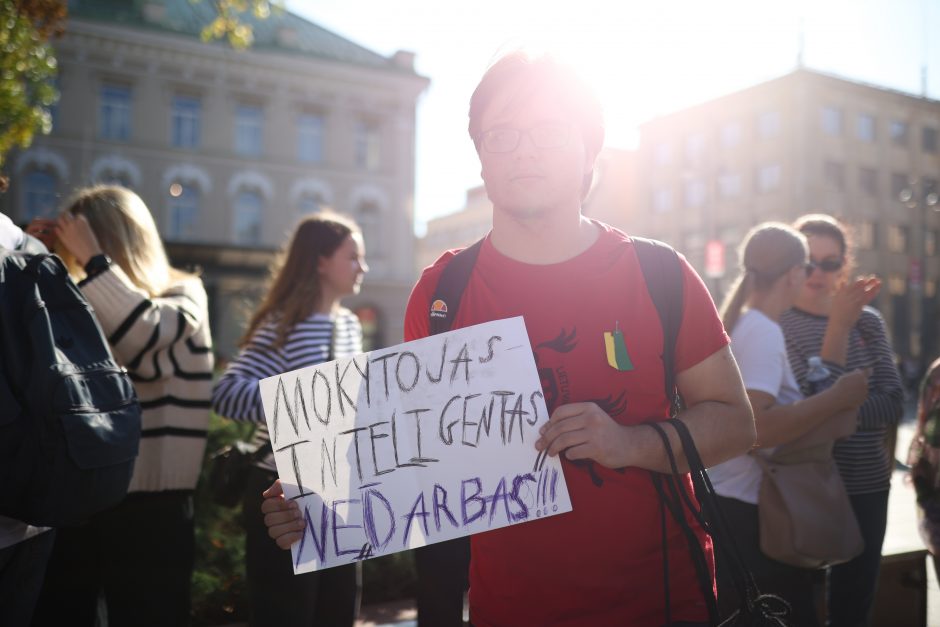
{"type": "Point", "coordinates": [438, 309]}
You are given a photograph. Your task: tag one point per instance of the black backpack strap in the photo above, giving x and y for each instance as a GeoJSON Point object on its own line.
{"type": "Point", "coordinates": [450, 287]}
{"type": "Point", "coordinates": [663, 275]}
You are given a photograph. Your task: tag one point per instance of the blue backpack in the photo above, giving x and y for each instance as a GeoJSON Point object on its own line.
{"type": "Point", "coordinates": [69, 415]}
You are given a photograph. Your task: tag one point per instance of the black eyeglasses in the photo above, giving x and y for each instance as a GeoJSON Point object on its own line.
{"type": "Point", "coordinates": [826, 265]}
{"type": "Point", "coordinates": [545, 136]}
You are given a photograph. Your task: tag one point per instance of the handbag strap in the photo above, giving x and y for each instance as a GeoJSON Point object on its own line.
{"type": "Point", "coordinates": [760, 609]}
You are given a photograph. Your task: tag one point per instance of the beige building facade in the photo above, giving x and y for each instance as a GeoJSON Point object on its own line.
{"type": "Point", "coordinates": [231, 148]}
{"type": "Point", "coordinates": [803, 143]}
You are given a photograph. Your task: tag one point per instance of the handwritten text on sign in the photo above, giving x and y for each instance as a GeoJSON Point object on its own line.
{"type": "Point", "coordinates": [414, 444]}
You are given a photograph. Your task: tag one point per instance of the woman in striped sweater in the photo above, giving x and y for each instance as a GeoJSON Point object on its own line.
{"type": "Point", "coordinates": [832, 319]}
{"type": "Point", "coordinates": [139, 554]}
{"type": "Point", "coordinates": [299, 323]}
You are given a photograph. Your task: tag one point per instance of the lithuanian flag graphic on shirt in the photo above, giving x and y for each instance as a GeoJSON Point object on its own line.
{"type": "Point", "coordinates": [617, 355]}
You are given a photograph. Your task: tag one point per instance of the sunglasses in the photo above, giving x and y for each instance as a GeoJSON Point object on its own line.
{"type": "Point", "coordinates": [826, 265]}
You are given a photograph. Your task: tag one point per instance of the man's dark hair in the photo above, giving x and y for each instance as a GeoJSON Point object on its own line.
{"type": "Point", "coordinates": [525, 75]}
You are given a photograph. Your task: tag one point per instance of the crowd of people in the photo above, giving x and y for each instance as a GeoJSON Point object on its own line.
{"type": "Point", "coordinates": [745, 377]}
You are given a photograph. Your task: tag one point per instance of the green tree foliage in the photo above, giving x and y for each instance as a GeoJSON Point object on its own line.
{"type": "Point", "coordinates": [230, 23]}
{"type": "Point", "coordinates": [27, 69]}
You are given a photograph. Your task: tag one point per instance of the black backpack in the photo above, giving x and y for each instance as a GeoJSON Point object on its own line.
{"type": "Point", "coordinates": [69, 416]}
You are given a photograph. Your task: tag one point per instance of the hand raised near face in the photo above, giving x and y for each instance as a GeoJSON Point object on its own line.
{"type": "Point", "coordinates": [76, 236]}
{"type": "Point", "coordinates": [851, 298]}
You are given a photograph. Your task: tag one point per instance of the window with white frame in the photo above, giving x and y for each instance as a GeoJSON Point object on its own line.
{"type": "Point", "coordinates": [369, 219]}
{"type": "Point", "coordinates": [248, 206]}
{"type": "Point", "coordinates": [866, 127]}
{"type": "Point", "coordinates": [768, 124]}
{"type": "Point", "coordinates": [832, 120]}
{"type": "Point", "coordinates": [899, 133]}
{"type": "Point", "coordinates": [249, 127]}
{"type": "Point", "coordinates": [183, 211]}
{"type": "Point", "coordinates": [40, 197]}
{"type": "Point", "coordinates": [310, 138]}
{"type": "Point", "coordinates": [695, 193]}
{"type": "Point", "coordinates": [729, 185]}
{"type": "Point", "coordinates": [185, 126]}
{"type": "Point", "coordinates": [367, 145]}
{"type": "Point", "coordinates": [929, 140]}
{"type": "Point", "coordinates": [114, 118]}
{"type": "Point", "coordinates": [309, 203]}
{"type": "Point", "coordinates": [768, 177]}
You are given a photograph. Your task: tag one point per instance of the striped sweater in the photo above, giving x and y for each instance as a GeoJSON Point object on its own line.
{"type": "Point", "coordinates": [237, 396]}
{"type": "Point", "coordinates": [165, 344]}
{"type": "Point", "coordinates": [863, 459]}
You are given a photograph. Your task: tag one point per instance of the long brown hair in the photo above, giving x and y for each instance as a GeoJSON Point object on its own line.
{"type": "Point", "coordinates": [769, 251]}
{"type": "Point", "coordinates": [125, 229]}
{"type": "Point", "coordinates": [294, 289]}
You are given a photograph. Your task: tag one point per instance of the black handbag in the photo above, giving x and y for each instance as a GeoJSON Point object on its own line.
{"type": "Point", "coordinates": [754, 609]}
{"type": "Point", "coordinates": [229, 469]}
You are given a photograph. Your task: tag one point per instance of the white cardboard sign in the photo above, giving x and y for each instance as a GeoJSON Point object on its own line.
{"type": "Point", "coordinates": [414, 444]}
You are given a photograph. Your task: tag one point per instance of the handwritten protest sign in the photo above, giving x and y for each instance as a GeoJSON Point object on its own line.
{"type": "Point", "coordinates": [413, 444]}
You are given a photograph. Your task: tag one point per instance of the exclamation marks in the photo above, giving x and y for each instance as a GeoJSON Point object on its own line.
{"type": "Point", "coordinates": [546, 492]}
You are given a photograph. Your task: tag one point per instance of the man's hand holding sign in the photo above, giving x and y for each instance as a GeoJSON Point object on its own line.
{"type": "Point", "coordinates": [409, 445]}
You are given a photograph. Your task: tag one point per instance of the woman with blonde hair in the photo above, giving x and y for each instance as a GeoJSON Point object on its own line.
{"type": "Point", "coordinates": [299, 323]}
{"type": "Point", "coordinates": [832, 319]}
{"type": "Point", "coordinates": [774, 266]}
{"type": "Point", "coordinates": [139, 555]}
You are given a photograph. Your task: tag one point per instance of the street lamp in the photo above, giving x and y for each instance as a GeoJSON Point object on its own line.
{"type": "Point", "coordinates": [927, 201]}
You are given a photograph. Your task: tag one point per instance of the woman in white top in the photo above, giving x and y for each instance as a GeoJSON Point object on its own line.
{"type": "Point", "coordinates": [774, 265]}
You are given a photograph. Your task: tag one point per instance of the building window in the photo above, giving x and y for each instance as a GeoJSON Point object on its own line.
{"type": "Point", "coordinates": [930, 190]}
{"type": "Point", "coordinates": [866, 127]}
{"type": "Point", "coordinates": [897, 285]}
{"type": "Point", "coordinates": [768, 124]}
{"type": "Point", "coordinates": [730, 134]}
{"type": "Point", "coordinates": [309, 203]}
{"type": "Point", "coordinates": [662, 200]}
{"type": "Point", "coordinates": [369, 219]}
{"type": "Point", "coordinates": [834, 174]}
{"type": "Point", "coordinates": [249, 120]}
{"type": "Point", "coordinates": [868, 180]}
{"type": "Point", "coordinates": [115, 177]}
{"type": "Point", "coordinates": [866, 235]}
{"type": "Point", "coordinates": [184, 211]}
{"type": "Point", "coordinates": [39, 195]}
{"type": "Point", "coordinates": [899, 184]}
{"type": "Point", "coordinates": [694, 148]}
{"type": "Point", "coordinates": [367, 145]}
{"type": "Point", "coordinates": [729, 185]}
{"type": "Point", "coordinates": [248, 207]}
{"type": "Point", "coordinates": [310, 138]}
{"type": "Point", "coordinates": [768, 177]}
{"type": "Point", "coordinates": [662, 153]}
{"type": "Point", "coordinates": [899, 133]}
{"type": "Point", "coordinates": [185, 123]}
{"type": "Point", "coordinates": [832, 120]}
{"type": "Point", "coordinates": [929, 140]}
{"type": "Point", "coordinates": [897, 238]}
{"type": "Point", "coordinates": [695, 193]}
{"type": "Point", "coordinates": [115, 113]}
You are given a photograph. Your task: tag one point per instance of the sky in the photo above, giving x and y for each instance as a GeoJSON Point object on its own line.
{"type": "Point", "coordinates": [643, 58]}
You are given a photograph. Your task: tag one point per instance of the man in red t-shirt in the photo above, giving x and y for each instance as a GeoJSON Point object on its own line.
{"type": "Point", "coordinates": [538, 131]}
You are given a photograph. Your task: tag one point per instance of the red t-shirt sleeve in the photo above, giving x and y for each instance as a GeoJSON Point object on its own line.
{"type": "Point", "coordinates": [701, 333]}
{"type": "Point", "coordinates": [419, 303]}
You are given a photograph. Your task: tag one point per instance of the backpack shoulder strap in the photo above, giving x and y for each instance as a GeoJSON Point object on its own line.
{"type": "Point", "coordinates": [663, 275]}
{"type": "Point", "coordinates": [450, 287]}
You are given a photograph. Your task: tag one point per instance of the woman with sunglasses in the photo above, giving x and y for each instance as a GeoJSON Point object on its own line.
{"type": "Point", "coordinates": [773, 263]}
{"type": "Point", "coordinates": [832, 319]}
